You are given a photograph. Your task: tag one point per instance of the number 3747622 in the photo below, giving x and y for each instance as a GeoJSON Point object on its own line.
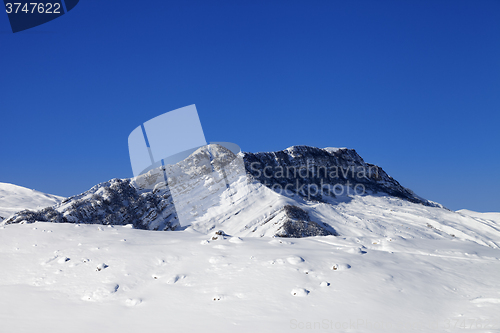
{"type": "Point", "coordinates": [33, 7]}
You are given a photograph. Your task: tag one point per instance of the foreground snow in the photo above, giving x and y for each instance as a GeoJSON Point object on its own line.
{"type": "Point", "coordinates": [90, 278]}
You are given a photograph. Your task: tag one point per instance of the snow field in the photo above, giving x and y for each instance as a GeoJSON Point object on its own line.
{"type": "Point", "coordinates": [99, 278]}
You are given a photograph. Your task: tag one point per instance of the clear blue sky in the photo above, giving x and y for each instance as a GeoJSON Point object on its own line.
{"type": "Point", "coordinates": [413, 86]}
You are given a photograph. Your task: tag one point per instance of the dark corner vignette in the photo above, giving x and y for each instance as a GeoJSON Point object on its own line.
{"type": "Point", "coordinates": [25, 15]}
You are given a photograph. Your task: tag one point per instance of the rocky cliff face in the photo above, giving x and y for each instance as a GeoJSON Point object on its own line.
{"type": "Point", "coordinates": [314, 173]}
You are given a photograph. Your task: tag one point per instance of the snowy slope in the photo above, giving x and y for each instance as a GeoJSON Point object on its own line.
{"type": "Point", "coordinates": [484, 216]}
{"type": "Point", "coordinates": [367, 216]}
{"type": "Point", "coordinates": [15, 198]}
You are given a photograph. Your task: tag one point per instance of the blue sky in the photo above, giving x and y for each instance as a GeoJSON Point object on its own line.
{"type": "Point", "coordinates": [413, 86]}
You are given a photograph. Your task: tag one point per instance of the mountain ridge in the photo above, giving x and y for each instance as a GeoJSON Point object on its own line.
{"type": "Point", "coordinates": [386, 209]}
{"type": "Point", "coordinates": [350, 163]}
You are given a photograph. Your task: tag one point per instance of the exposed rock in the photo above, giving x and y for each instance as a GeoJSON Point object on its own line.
{"type": "Point", "coordinates": [115, 202]}
{"type": "Point", "coordinates": [297, 224]}
{"type": "Point", "coordinates": [298, 168]}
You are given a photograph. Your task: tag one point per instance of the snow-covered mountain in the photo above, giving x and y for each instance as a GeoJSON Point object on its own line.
{"type": "Point", "coordinates": [15, 198]}
{"type": "Point", "coordinates": [385, 260]}
{"type": "Point", "coordinates": [282, 198]}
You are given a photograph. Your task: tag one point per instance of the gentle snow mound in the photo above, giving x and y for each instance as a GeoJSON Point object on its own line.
{"type": "Point", "coordinates": [14, 198]}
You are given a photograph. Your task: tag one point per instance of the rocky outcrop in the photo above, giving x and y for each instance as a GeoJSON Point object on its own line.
{"type": "Point", "coordinates": [115, 202]}
{"type": "Point", "coordinates": [313, 173]}
{"type": "Point", "coordinates": [297, 224]}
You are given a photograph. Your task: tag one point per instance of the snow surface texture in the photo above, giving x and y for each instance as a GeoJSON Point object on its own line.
{"type": "Point", "coordinates": [89, 278]}
{"type": "Point", "coordinates": [371, 263]}
{"type": "Point", "coordinates": [15, 198]}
